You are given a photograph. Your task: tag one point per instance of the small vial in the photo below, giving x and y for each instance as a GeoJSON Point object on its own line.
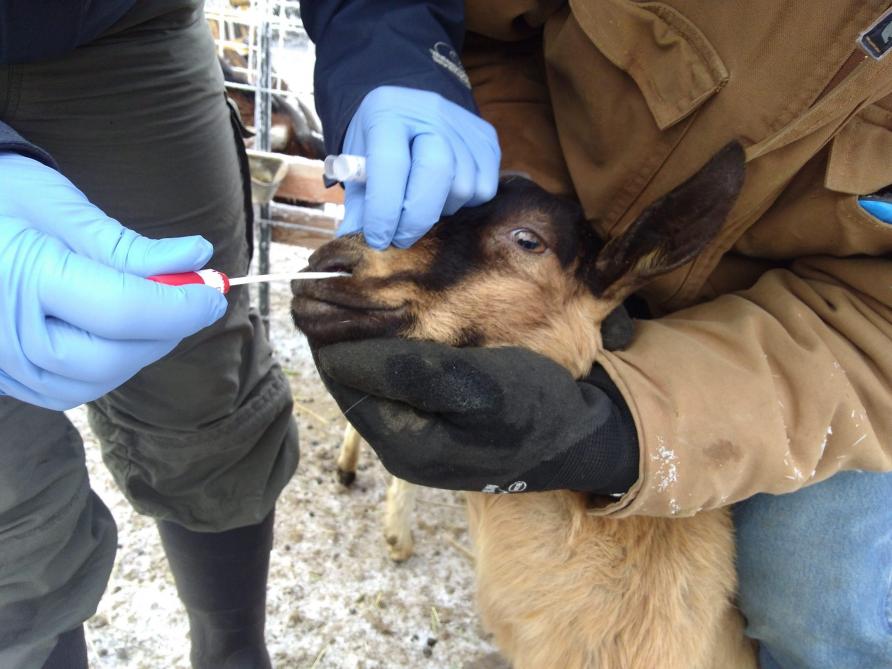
{"type": "Point", "coordinates": [345, 167]}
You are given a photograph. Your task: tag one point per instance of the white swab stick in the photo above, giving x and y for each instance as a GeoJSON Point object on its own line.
{"type": "Point", "coordinates": [262, 278]}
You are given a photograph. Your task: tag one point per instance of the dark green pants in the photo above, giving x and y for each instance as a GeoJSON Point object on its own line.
{"type": "Point", "coordinates": [205, 437]}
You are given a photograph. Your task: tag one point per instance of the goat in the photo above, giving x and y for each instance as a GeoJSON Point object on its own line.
{"type": "Point", "coordinates": [400, 498]}
{"type": "Point", "coordinates": [556, 585]}
{"type": "Point", "coordinates": [294, 128]}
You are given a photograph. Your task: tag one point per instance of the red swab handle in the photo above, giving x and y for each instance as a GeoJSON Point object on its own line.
{"type": "Point", "coordinates": [207, 277]}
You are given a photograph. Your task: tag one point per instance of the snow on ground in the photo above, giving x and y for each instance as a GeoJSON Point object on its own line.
{"type": "Point", "coordinates": [335, 598]}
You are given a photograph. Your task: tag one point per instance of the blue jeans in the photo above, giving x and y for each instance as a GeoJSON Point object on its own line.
{"type": "Point", "coordinates": [815, 570]}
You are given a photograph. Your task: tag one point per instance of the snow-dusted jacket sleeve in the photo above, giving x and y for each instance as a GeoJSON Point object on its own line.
{"type": "Point", "coordinates": [363, 44]}
{"type": "Point", "coordinates": [765, 390]}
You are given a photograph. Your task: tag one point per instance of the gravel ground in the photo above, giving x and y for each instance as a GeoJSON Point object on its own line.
{"type": "Point", "coordinates": [335, 598]}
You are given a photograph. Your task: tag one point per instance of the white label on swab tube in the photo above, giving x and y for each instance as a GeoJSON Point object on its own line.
{"type": "Point", "coordinates": [214, 279]}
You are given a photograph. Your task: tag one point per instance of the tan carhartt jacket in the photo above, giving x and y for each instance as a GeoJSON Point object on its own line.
{"type": "Point", "coordinates": [770, 367]}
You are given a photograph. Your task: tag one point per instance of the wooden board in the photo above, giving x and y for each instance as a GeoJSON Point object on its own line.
{"type": "Point", "coordinates": [304, 182]}
{"type": "Point", "coordinates": [300, 226]}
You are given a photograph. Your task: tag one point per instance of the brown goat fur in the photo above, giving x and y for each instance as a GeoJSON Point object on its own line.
{"type": "Point", "coordinates": [558, 586]}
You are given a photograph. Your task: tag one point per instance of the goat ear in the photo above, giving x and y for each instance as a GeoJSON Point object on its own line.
{"type": "Point", "coordinates": [672, 230]}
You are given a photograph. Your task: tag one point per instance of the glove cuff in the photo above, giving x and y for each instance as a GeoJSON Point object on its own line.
{"type": "Point", "coordinates": [604, 461]}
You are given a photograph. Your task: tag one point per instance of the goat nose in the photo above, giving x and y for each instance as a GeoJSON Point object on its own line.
{"type": "Point", "coordinates": [330, 258]}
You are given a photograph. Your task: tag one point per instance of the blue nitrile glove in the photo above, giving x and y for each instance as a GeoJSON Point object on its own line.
{"type": "Point", "coordinates": [76, 319]}
{"type": "Point", "coordinates": [425, 156]}
{"type": "Point", "coordinates": [879, 208]}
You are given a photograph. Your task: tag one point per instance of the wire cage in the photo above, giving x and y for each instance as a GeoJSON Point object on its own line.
{"type": "Point", "coordinates": [267, 61]}
{"type": "Point", "coordinates": [259, 32]}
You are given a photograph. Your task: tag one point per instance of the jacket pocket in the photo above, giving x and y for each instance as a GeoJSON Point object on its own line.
{"type": "Point", "coordinates": [629, 78]}
{"type": "Point", "coordinates": [860, 163]}
{"type": "Point", "coordinates": [673, 64]}
{"type": "Point", "coordinates": [812, 218]}
{"type": "Point", "coordinates": [861, 233]}
{"type": "Point", "coordinates": [861, 155]}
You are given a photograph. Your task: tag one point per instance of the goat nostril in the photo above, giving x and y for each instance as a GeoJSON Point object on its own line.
{"type": "Point", "coordinates": [333, 262]}
{"type": "Point", "coordinates": [337, 268]}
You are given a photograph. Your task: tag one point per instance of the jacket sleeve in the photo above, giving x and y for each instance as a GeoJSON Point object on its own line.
{"type": "Point", "coordinates": [10, 140]}
{"type": "Point", "coordinates": [510, 87]}
{"type": "Point", "coordinates": [766, 390]}
{"type": "Point", "coordinates": [363, 44]}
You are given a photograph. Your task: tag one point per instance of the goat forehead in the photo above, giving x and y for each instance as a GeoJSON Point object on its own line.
{"type": "Point", "coordinates": [471, 242]}
{"type": "Point", "coordinates": [461, 239]}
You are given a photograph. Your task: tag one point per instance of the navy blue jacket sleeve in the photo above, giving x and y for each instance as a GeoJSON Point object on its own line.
{"type": "Point", "coordinates": [10, 140]}
{"type": "Point", "coordinates": [363, 44]}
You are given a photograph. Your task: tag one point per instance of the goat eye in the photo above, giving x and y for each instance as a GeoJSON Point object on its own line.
{"type": "Point", "coordinates": [528, 240]}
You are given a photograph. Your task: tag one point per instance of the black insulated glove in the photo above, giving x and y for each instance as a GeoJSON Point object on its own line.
{"type": "Point", "coordinates": [483, 419]}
